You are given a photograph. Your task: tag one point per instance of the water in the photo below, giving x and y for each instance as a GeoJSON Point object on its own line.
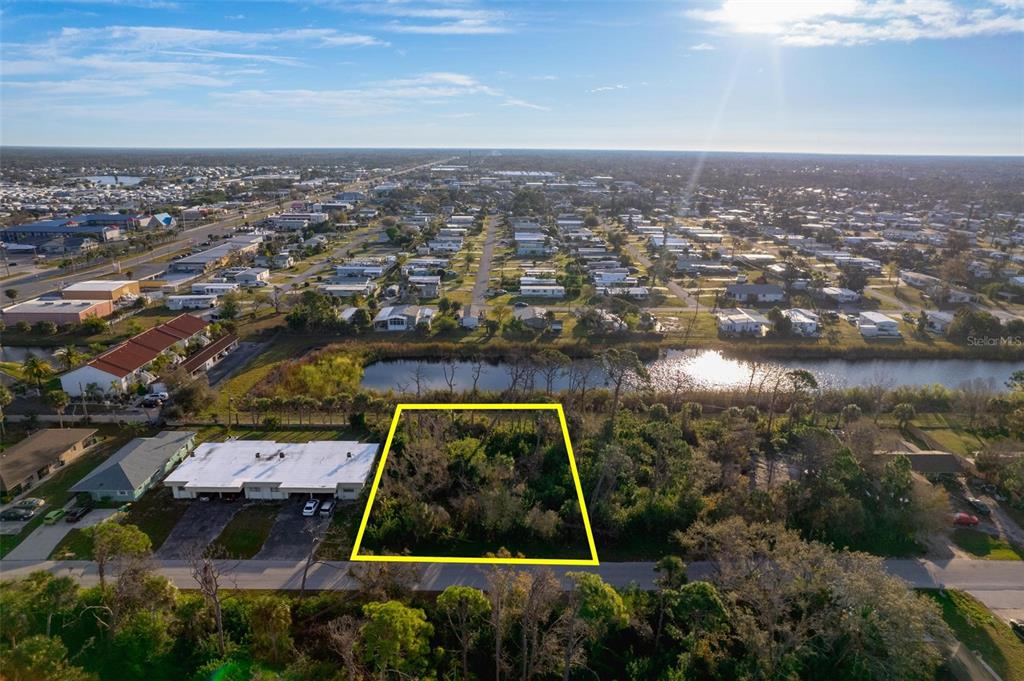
{"type": "Point", "coordinates": [20, 354]}
{"type": "Point", "coordinates": [124, 180]}
{"type": "Point", "coordinates": [701, 369]}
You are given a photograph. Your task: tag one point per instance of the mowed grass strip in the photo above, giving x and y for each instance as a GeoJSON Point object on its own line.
{"type": "Point", "coordinates": [986, 546]}
{"type": "Point", "coordinates": [245, 534]}
{"type": "Point", "coordinates": [981, 631]}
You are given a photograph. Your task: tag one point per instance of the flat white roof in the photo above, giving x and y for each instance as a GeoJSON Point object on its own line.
{"type": "Point", "coordinates": [54, 304]}
{"type": "Point", "coordinates": [99, 285]}
{"type": "Point", "coordinates": [309, 466]}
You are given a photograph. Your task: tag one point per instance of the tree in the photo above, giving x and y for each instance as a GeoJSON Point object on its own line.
{"type": "Point", "coordinates": [12, 294]}
{"type": "Point", "coordinates": [59, 400]}
{"type": "Point", "coordinates": [230, 306]}
{"type": "Point", "coordinates": [69, 357]}
{"type": "Point", "coordinates": [270, 621]}
{"type": "Point", "coordinates": [465, 609]}
{"type": "Point", "coordinates": [6, 397]}
{"type": "Point", "coordinates": [620, 365]}
{"type": "Point", "coordinates": [593, 607]}
{"type": "Point", "coordinates": [395, 638]}
{"type": "Point", "coordinates": [112, 541]}
{"type": "Point", "coordinates": [36, 370]}
{"type": "Point", "coordinates": [904, 413]}
{"type": "Point", "coordinates": [41, 657]}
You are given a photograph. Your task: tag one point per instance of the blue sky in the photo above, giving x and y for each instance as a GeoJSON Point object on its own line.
{"type": "Point", "coordinates": [845, 76]}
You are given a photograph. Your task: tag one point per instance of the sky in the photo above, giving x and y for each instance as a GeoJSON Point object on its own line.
{"type": "Point", "coordinates": [937, 77]}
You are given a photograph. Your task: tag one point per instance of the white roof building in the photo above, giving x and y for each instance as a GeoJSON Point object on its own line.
{"type": "Point", "coordinates": [264, 469]}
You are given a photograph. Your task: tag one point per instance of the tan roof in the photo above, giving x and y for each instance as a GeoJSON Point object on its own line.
{"type": "Point", "coordinates": [41, 448]}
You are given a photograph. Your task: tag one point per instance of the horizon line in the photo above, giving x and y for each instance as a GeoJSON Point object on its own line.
{"type": "Point", "coordinates": [74, 147]}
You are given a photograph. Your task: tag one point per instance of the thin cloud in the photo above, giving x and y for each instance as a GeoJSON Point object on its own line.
{"type": "Point", "coordinates": [609, 88]}
{"type": "Point", "coordinates": [522, 103]}
{"type": "Point", "coordinates": [703, 47]}
{"type": "Point", "coordinates": [857, 22]}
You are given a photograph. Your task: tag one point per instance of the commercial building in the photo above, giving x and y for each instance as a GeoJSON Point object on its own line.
{"type": "Point", "coordinates": [25, 463]}
{"type": "Point", "coordinates": [137, 466]}
{"type": "Point", "coordinates": [191, 302]}
{"type": "Point", "coordinates": [218, 255]}
{"type": "Point", "coordinates": [56, 310]}
{"type": "Point", "coordinates": [97, 226]}
{"type": "Point", "coordinates": [102, 289]}
{"type": "Point", "coordinates": [264, 469]}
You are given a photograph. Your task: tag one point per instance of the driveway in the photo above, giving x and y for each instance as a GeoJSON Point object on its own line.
{"type": "Point", "coordinates": [41, 543]}
{"type": "Point", "coordinates": [201, 524]}
{"type": "Point", "coordinates": [483, 271]}
{"type": "Point", "coordinates": [291, 537]}
{"type": "Point", "coordinates": [236, 359]}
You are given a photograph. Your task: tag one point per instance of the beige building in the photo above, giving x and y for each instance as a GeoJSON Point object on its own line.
{"type": "Point", "coordinates": [57, 310]}
{"type": "Point", "coordinates": [102, 289]}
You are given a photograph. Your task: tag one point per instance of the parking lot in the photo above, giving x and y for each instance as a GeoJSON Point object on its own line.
{"type": "Point", "coordinates": [292, 535]}
{"type": "Point", "coordinates": [201, 524]}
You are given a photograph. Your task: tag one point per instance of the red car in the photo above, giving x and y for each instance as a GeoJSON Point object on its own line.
{"type": "Point", "coordinates": [965, 519]}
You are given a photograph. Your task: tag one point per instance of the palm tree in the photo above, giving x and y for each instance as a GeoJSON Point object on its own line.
{"type": "Point", "coordinates": [59, 400]}
{"type": "Point", "coordinates": [36, 370]}
{"type": "Point", "coordinates": [6, 397]}
{"type": "Point", "coordinates": [69, 357]}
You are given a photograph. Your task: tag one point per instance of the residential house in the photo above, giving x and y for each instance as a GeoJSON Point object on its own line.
{"type": "Point", "coordinates": [402, 317]}
{"type": "Point", "coordinates": [755, 293]}
{"type": "Point", "coordinates": [742, 322]}
{"type": "Point", "coordinates": [877, 325]}
{"type": "Point", "coordinates": [28, 461]}
{"type": "Point", "coordinates": [803, 322]}
{"type": "Point", "coordinates": [136, 467]}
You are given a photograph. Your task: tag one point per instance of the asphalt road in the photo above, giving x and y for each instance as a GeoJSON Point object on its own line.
{"type": "Point", "coordinates": [997, 581]}
{"type": "Point", "coordinates": [483, 272]}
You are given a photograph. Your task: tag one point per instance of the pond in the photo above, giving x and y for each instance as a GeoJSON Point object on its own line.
{"type": "Point", "coordinates": [20, 354]}
{"type": "Point", "coordinates": [699, 369]}
{"type": "Point", "coordinates": [123, 180]}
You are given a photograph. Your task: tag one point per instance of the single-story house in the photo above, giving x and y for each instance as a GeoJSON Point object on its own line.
{"type": "Point", "coordinates": [545, 291]}
{"type": "Point", "coordinates": [876, 324]}
{"type": "Point", "coordinates": [264, 469]}
{"type": "Point", "coordinates": [472, 316]}
{"type": "Point", "coordinates": [191, 302]}
{"type": "Point", "coordinates": [211, 355]}
{"type": "Point", "coordinates": [427, 286]}
{"type": "Point", "coordinates": [25, 463]}
{"type": "Point", "coordinates": [253, 276]}
{"type": "Point", "coordinates": [740, 322]}
{"type": "Point", "coordinates": [803, 322]}
{"type": "Point", "coordinates": [136, 467]}
{"type": "Point", "coordinates": [755, 293]}
{"type": "Point", "coordinates": [840, 295]}
{"type": "Point", "coordinates": [402, 317]}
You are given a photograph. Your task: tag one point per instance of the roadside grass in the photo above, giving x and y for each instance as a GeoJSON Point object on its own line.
{"type": "Point", "coordinates": [246, 532]}
{"type": "Point", "coordinates": [76, 545]}
{"type": "Point", "coordinates": [981, 631]}
{"type": "Point", "coordinates": [294, 435]}
{"type": "Point", "coordinates": [54, 490]}
{"type": "Point", "coordinates": [982, 545]}
{"type": "Point", "coordinates": [156, 514]}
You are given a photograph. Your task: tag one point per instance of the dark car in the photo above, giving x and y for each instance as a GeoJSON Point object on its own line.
{"type": "Point", "coordinates": [77, 513]}
{"type": "Point", "coordinates": [17, 514]}
{"type": "Point", "coordinates": [152, 401]}
{"type": "Point", "coordinates": [979, 506]}
{"type": "Point", "coordinates": [1018, 628]}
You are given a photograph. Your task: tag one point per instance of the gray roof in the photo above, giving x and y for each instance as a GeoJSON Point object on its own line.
{"type": "Point", "coordinates": [134, 463]}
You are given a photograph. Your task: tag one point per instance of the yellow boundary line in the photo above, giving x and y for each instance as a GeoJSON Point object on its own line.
{"type": "Point", "coordinates": [505, 406]}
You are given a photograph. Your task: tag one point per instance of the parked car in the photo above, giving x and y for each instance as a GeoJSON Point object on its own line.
{"type": "Point", "coordinates": [309, 510]}
{"type": "Point", "coordinates": [520, 303]}
{"type": "Point", "coordinates": [979, 506]}
{"type": "Point", "coordinates": [77, 513]}
{"type": "Point", "coordinates": [52, 517]}
{"type": "Point", "coordinates": [1018, 628]}
{"type": "Point", "coordinates": [17, 514]}
{"type": "Point", "coordinates": [965, 519]}
{"type": "Point", "coordinates": [327, 508]}
{"type": "Point", "coordinates": [29, 502]}
{"type": "Point", "coordinates": [151, 402]}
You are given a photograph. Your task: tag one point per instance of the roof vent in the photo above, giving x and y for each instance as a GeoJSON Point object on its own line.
{"type": "Point", "coordinates": [280, 455]}
{"type": "Point", "coordinates": [348, 455]}
{"type": "Point", "coordinates": [257, 455]}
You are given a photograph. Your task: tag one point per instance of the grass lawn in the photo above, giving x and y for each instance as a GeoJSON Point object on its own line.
{"type": "Point", "coordinates": [983, 632]}
{"type": "Point", "coordinates": [985, 546]}
{"type": "Point", "coordinates": [245, 533]}
{"type": "Point", "coordinates": [55, 490]}
{"type": "Point", "coordinates": [75, 545]}
{"type": "Point", "coordinates": [156, 514]}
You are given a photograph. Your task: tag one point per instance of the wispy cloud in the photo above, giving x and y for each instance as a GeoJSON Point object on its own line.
{"type": "Point", "coordinates": [461, 17]}
{"type": "Point", "coordinates": [375, 98]}
{"type": "Point", "coordinates": [855, 22]}
{"type": "Point", "coordinates": [703, 47]}
{"type": "Point", "coordinates": [609, 88]}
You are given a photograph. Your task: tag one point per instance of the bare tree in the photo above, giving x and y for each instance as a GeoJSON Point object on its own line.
{"type": "Point", "coordinates": [207, 574]}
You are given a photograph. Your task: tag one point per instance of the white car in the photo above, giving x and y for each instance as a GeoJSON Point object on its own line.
{"type": "Point", "coordinates": [309, 510]}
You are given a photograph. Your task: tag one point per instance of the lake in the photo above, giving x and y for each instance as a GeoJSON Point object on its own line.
{"type": "Point", "coordinates": [703, 369]}
{"type": "Point", "coordinates": [124, 180]}
{"type": "Point", "coordinates": [20, 354]}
